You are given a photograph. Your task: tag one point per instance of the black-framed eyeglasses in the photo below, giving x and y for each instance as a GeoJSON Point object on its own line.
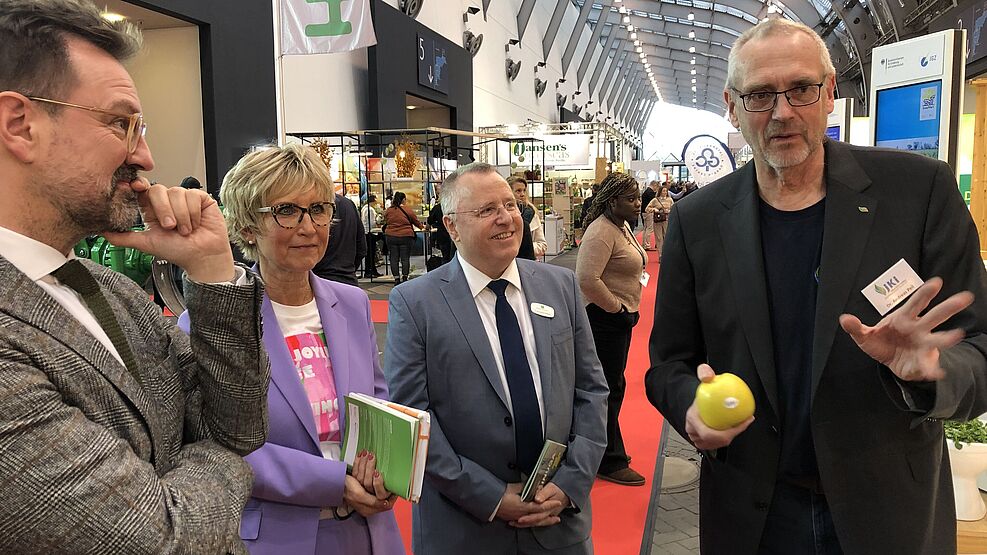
{"type": "Point", "coordinates": [511, 207]}
{"type": "Point", "coordinates": [763, 101]}
{"type": "Point", "coordinates": [131, 125]}
{"type": "Point", "coordinates": [288, 215]}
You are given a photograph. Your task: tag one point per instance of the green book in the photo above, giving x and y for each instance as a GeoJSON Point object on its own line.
{"type": "Point", "coordinates": [548, 462]}
{"type": "Point", "coordinates": [397, 436]}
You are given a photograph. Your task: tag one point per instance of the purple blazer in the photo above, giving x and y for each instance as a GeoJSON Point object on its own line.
{"type": "Point", "coordinates": [292, 479]}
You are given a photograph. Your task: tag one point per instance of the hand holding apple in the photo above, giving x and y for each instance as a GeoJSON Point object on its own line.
{"type": "Point", "coordinates": [701, 434]}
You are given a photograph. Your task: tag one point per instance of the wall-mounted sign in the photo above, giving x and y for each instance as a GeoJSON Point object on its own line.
{"type": "Point", "coordinates": [432, 63]}
{"type": "Point", "coordinates": [321, 26]}
{"type": "Point", "coordinates": [707, 158]}
{"type": "Point", "coordinates": [918, 58]}
{"type": "Point", "coordinates": [559, 150]}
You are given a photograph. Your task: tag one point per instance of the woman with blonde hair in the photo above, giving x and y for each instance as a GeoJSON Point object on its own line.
{"type": "Point", "coordinates": [320, 339]}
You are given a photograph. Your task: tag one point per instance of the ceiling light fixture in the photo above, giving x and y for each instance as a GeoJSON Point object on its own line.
{"type": "Point", "coordinates": [627, 19]}
{"type": "Point", "coordinates": [630, 28]}
{"type": "Point", "coordinates": [692, 49]}
{"type": "Point", "coordinates": [692, 16]}
{"type": "Point", "coordinates": [622, 10]}
{"type": "Point", "coordinates": [410, 107]}
{"type": "Point", "coordinates": [692, 34]}
{"type": "Point", "coordinates": [633, 35]}
{"type": "Point", "coordinates": [692, 61]}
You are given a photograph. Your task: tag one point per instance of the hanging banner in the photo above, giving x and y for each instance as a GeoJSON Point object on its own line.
{"type": "Point", "coordinates": [708, 159]}
{"type": "Point", "coordinates": [321, 26]}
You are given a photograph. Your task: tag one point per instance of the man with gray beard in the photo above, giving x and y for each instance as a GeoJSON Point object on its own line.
{"type": "Point", "coordinates": [838, 282]}
{"type": "Point", "coordinates": [118, 433]}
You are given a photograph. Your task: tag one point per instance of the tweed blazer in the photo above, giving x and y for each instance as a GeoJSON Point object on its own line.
{"type": "Point", "coordinates": [93, 460]}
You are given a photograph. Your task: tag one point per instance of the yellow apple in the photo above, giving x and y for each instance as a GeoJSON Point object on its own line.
{"type": "Point", "coordinates": [724, 402]}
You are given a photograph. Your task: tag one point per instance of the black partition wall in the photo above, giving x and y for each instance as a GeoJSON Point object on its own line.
{"type": "Point", "coordinates": [410, 58]}
{"type": "Point", "coordinates": [236, 49]}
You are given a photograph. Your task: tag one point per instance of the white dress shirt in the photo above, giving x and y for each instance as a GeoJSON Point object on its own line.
{"type": "Point", "coordinates": [486, 303]}
{"type": "Point", "coordinates": [38, 260]}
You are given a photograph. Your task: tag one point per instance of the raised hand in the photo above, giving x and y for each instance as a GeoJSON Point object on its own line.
{"type": "Point", "coordinates": [701, 435]}
{"type": "Point", "coordinates": [904, 341]}
{"type": "Point", "coordinates": [183, 226]}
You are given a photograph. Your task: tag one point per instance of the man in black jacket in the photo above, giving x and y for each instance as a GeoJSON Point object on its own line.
{"type": "Point", "coordinates": [347, 245]}
{"type": "Point", "coordinates": [802, 273]}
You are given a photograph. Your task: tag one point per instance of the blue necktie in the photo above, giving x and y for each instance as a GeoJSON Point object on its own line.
{"type": "Point", "coordinates": [528, 437]}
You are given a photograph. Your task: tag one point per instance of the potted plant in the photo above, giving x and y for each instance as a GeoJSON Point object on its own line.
{"type": "Point", "coordinates": [968, 458]}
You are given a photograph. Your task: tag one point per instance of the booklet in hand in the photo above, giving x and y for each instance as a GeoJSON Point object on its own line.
{"type": "Point", "coordinates": [548, 462]}
{"type": "Point", "coordinates": [397, 436]}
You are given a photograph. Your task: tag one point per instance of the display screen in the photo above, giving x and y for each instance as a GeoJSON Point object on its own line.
{"type": "Point", "coordinates": [908, 118]}
{"type": "Point", "coordinates": [833, 132]}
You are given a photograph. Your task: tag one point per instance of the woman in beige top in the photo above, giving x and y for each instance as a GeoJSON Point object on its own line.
{"type": "Point", "coordinates": [609, 267]}
{"type": "Point", "coordinates": [659, 209]}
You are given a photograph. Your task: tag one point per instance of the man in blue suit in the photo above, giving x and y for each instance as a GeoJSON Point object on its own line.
{"type": "Point", "coordinates": [500, 352]}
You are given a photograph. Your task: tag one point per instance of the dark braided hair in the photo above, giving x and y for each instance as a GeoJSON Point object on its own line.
{"type": "Point", "coordinates": [612, 186]}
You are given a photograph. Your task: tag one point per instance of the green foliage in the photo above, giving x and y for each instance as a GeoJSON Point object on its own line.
{"type": "Point", "coordinates": [974, 431]}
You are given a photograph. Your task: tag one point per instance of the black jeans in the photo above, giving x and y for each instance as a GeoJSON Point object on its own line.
{"type": "Point", "coordinates": [612, 336]}
{"type": "Point", "coordinates": [370, 262]}
{"type": "Point", "coordinates": [799, 523]}
{"type": "Point", "coordinates": [399, 248]}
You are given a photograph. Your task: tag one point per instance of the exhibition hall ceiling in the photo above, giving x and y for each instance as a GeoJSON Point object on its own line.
{"type": "Point", "coordinates": [679, 48]}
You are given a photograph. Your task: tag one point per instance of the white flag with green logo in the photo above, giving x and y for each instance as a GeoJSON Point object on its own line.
{"type": "Point", "coordinates": [320, 26]}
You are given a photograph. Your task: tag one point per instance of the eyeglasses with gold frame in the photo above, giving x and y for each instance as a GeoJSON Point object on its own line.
{"type": "Point", "coordinates": [135, 127]}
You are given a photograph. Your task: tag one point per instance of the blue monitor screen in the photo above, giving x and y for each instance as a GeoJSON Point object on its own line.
{"type": "Point", "coordinates": [908, 118]}
{"type": "Point", "coordinates": [833, 132]}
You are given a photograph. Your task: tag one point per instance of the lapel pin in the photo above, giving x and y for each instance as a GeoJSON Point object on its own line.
{"type": "Point", "coordinates": [863, 209]}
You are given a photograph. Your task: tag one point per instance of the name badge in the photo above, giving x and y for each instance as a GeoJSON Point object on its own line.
{"type": "Point", "coordinates": [892, 287]}
{"type": "Point", "coordinates": [645, 278]}
{"type": "Point", "coordinates": [543, 310]}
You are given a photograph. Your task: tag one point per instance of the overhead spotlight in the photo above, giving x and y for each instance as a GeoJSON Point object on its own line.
{"type": "Point", "coordinates": [513, 68]}
{"type": "Point", "coordinates": [630, 28]}
{"type": "Point", "coordinates": [638, 49]}
{"type": "Point", "coordinates": [693, 80]}
{"type": "Point", "coordinates": [473, 10]}
{"type": "Point", "coordinates": [692, 16]}
{"type": "Point", "coordinates": [637, 43]}
{"type": "Point", "coordinates": [633, 35]}
{"type": "Point", "coordinates": [626, 19]}
{"type": "Point", "coordinates": [471, 42]}
{"type": "Point", "coordinates": [693, 100]}
{"type": "Point", "coordinates": [112, 17]}
{"type": "Point", "coordinates": [692, 34]}
{"type": "Point", "coordinates": [560, 99]}
{"type": "Point", "coordinates": [693, 88]}
{"type": "Point", "coordinates": [622, 10]}
{"type": "Point", "coordinates": [540, 64]}
{"type": "Point", "coordinates": [693, 72]}
{"type": "Point", "coordinates": [692, 61]}
{"type": "Point", "coordinates": [540, 87]}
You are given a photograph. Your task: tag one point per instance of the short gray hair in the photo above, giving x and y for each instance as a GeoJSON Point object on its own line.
{"type": "Point", "coordinates": [266, 174]}
{"type": "Point", "coordinates": [774, 26]}
{"type": "Point", "coordinates": [450, 195]}
{"type": "Point", "coordinates": [34, 59]}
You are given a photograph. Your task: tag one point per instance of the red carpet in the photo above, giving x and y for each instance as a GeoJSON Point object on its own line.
{"type": "Point", "coordinates": [619, 512]}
